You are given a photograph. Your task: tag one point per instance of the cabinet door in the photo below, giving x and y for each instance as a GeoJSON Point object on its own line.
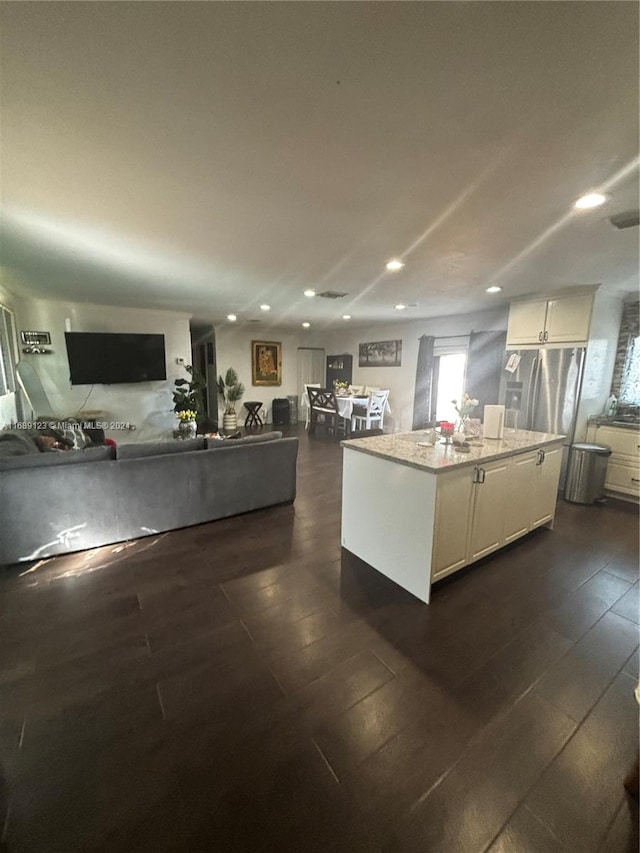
{"type": "Point", "coordinates": [453, 512]}
{"type": "Point", "coordinates": [522, 475]}
{"type": "Point", "coordinates": [623, 442]}
{"type": "Point", "coordinates": [544, 493]}
{"type": "Point", "coordinates": [487, 524]}
{"type": "Point", "coordinates": [568, 319]}
{"type": "Point", "coordinates": [526, 322]}
{"type": "Point", "coordinates": [622, 477]}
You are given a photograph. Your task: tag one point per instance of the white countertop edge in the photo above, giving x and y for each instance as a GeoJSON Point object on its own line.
{"type": "Point", "coordinates": [453, 459]}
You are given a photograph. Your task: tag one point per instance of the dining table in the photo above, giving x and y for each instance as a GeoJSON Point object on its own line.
{"type": "Point", "coordinates": [345, 404]}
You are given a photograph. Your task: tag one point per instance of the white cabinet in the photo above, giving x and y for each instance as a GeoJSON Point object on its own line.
{"type": "Point", "coordinates": [487, 522]}
{"type": "Point", "coordinates": [517, 510]}
{"type": "Point", "coordinates": [469, 516]}
{"type": "Point", "coordinates": [453, 513]}
{"type": "Point", "coordinates": [526, 322]}
{"type": "Point", "coordinates": [623, 469]}
{"type": "Point", "coordinates": [568, 319]}
{"type": "Point", "coordinates": [544, 488]}
{"type": "Point", "coordinates": [561, 320]}
{"type": "Point", "coordinates": [426, 522]}
{"type": "Point", "coordinates": [481, 508]}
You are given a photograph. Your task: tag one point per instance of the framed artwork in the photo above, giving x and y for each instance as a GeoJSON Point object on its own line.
{"type": "Point", "coordinates": [266, 363]}
{"type": "Point", "coordinates": [380, 354]}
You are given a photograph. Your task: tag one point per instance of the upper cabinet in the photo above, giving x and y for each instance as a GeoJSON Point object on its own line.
{"type": "Point", "coordinates": [560, 320]}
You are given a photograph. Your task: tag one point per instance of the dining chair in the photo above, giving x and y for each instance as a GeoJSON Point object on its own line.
{"type": "Point", "coordinates": [304, 401]}
{"type": "Point", "coordinates": [323, 410]}
{"type": "Point", "coordinates": [374, 413]}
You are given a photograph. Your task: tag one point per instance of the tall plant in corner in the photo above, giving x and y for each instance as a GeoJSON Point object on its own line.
{"type": "Point", "coordinates": [230, 390]}
{"type": "Point", "coordinates": [188, 394]}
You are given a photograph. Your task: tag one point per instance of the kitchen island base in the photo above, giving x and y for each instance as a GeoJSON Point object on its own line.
{"type": "Point", "coordinates": [429, 512]}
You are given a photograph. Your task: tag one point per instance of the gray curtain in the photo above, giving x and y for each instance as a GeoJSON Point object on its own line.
{"type": "Point", "coordinates": [424, 383]}
{"type": "Point", "coordinates": [484, 367]}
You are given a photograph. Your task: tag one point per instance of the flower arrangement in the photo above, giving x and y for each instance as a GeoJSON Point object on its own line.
{"type": "Point", "coordinates": [186, 415]}
{"type": "Point", "coordinates": [467, 405]}
{"type": "Point", "coordinates": [340, 387]}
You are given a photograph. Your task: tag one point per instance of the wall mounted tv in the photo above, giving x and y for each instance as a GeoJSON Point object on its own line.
{"type": "Point", "coordinates": [104, 358]}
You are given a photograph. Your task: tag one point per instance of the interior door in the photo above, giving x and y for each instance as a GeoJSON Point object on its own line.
{"type": "Point", "coordinates": [310, 372]}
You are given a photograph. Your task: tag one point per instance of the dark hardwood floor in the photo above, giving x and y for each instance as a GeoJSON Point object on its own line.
{"type": "Point", "coordinates": [245, 686]}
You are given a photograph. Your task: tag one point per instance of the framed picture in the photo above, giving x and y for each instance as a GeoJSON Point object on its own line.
{"type": "Point", "coordinates": [266, 363]}
{"type": "Point", "coordinates": [380, 354]}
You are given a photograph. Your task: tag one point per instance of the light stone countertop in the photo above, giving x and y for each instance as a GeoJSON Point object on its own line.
{"type": "Point", "coordinates": [404, 448]}
{"type": "Point", "coordinates": [613, 422]}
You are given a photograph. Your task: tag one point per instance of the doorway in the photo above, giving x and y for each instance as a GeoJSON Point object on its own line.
{"type": "Point", "coordinates": [310, 371]}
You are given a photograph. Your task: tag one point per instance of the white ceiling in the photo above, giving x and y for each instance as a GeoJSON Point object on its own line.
{"type": "Point", "coordinates": [208, 157]}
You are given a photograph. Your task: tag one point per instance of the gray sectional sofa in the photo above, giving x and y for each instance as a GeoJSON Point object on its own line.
{"type": "Point", "coordinates": [56, 503]}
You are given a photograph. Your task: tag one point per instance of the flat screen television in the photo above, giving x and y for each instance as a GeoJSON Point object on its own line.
{"type": "Point", "coordinates": [104, 358]}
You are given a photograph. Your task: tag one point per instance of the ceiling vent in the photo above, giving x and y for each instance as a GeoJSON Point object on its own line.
{"type": "Point", "coordinates": [255, 321]}
{"type": "Point", "coordinates": [331, 294]}
{"type": "Point", "coordinates": [628, 219]}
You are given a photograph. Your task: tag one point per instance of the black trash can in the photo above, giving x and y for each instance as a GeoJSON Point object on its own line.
{"type": "Point", "coordinates": [280, 411]}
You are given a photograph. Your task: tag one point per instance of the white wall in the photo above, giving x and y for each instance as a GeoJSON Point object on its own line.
{"type": "Point", "coordinates": [600, 359]}
{"type": "Point", "coordinates": [147, 405]}
{"type": "Point", "coordinates": [401, 380]}
{"type": "Point", "coordinates": [233, 349]}
{"type": "Point", "coordinates": [8, 409]}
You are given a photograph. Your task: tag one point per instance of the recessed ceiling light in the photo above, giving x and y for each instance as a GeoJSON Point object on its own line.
{"type": "Point", "coordinates": [586, 202]}
{"type": "Point", "coordinates": [346, 316]}
{"type": "Point", "coordinates": [306, 325]}
{"type": "Point", "coordinates": [265, 307]}
{"type": "Point", "coordinates": [231, 318]}
{"type": "Point", "coordinates": [400, 306]}
{"type": "Point", "coordinates": [494, 289]}
{"type": "Point", "coordinates": [309, 293]}
{"type": "Point", "coordinates": [394, 265]}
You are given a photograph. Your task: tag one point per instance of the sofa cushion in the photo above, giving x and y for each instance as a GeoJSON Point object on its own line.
{"type": "Point", "coordinates": [14, 444]}
{"type": "Point", "coordinates": [159, 448]}
{"type": "Point", "coordinates": [217, 443]}
{"type": "Point", "coordinates": [54, 458]}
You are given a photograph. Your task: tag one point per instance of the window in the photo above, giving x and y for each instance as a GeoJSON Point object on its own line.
{"type": "Point", "coordinates": [450, 384]}
{"type": "Point", "coordinates": [7, 385]}
{"type": "Point", "coordinates": [630, 384]}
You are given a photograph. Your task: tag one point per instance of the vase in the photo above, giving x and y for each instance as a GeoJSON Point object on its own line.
{"type": "Point", "coordinates": [230, 422]}
{"type": "Point", "coordinates": [187, 429]}
{"type": "Point", "coordinates": [463, 425]}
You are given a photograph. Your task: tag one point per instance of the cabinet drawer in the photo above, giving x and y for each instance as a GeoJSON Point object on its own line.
{"type": "Point", "coordinates": [623, 478]}
{"type": "Point", "coordinates": [624, 442]}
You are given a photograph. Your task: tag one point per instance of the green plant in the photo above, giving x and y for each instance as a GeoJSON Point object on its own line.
{"type": "Point", "coordinates": [188, 393]}
{"type": "Point", "coordinates": [230, 390]}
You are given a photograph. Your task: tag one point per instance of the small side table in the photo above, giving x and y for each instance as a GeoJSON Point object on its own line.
{"type": "Point", "coordinates": [253, 418]}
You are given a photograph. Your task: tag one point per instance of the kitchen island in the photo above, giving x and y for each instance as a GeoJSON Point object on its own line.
{"type": "Point", "coordinates": [418, 512]}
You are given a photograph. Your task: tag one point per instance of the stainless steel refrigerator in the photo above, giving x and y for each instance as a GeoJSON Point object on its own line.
{"type": "Point", "coordinates": [543, 391]}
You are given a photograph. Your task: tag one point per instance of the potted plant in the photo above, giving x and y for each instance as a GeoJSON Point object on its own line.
{"type": "Point", "coordinates": [188, 396]}
{"type": "Point", "coordinates": [187, 426]}
{"type": "Point", "coordinates": [231, 391]}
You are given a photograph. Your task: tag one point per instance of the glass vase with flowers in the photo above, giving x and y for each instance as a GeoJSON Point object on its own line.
{"type": "Point", "coordinates": [464, 409]}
